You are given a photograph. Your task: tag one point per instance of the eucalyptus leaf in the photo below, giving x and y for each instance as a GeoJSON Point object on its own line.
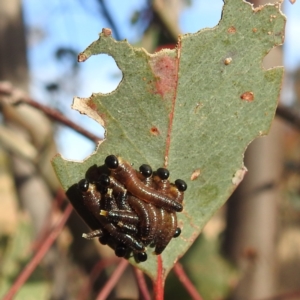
{"type": "Point", "coordinates": [194, 109]}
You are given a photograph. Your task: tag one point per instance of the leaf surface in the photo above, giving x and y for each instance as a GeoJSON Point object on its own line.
{"type": "Point", "coordinates": [193, 109]}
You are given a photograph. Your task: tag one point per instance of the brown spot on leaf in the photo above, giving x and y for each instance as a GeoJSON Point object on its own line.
{"type": "Point", "coordinates": [195, 174]}
{"type": "Point", "coordinates": [90, 103]}
{"type": "Point", "coordinates": [154, 130]}
{"type": "Point", "coordinates": [106, 31]}
{"type": "Point", "coordinates": [165, 70]}
{"type": "Point", "coordinates": [227, 60]}
{"type": "Point", "coordinates": [254, 30]}
{"type": "Point", "coordinates": [247, 96]}
{"type": "Point", "coordinates": [231, 30]}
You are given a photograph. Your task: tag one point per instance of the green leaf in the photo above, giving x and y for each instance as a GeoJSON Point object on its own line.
{"type": "Point", "coordinates": [194, 109]}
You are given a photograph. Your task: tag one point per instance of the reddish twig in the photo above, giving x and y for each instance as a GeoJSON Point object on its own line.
{"type": "Point", "coordinates": [159, 282]}
{"type": "Point", "coordinates": [57, 116]}
{"type": "Point", "coordinates": [143, 290]}
{"type": "Point", "coordinates": [19, 97]}
{"type": "Point", "coordinates": [59, 198]}
{"type": "Point", "coordinates": [113, 280]}
{"type": "Point", "coordinates": [183, 278]}
{"type": "Point", "coordinates": [30, 267]}
{"type": "Point", "coordinates": [98, 268]}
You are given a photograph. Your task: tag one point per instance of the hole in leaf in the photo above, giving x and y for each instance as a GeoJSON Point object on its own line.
{"type": "Point", "coordinates": [273, 58]}
{"type": "Point", "coordinates": [74, 146]}
{"type": "Point", "coordinates": [101, 73]}
{"type": "Point", "coordinates": [201, 14]}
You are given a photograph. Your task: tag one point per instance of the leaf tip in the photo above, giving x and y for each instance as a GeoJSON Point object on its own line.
{"type": "Point", "coordinates": [82, 57]}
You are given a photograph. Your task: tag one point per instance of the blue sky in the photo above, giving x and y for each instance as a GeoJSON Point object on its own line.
{"type": "Point", "coordinates": [292, 37]}
{"type": "Point", "coordinates": [76, 23]}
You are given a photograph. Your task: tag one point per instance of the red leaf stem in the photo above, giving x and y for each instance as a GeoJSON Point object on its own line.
{"type": "Point", "coordinates": [113, 280]}
{"type": "Point", "coordinates": [32, 264]}
{"type": "Point", "coordinates": [183, 278]}
{"type": "Point", "coordinates": [159, 282]}
{"type": "Point", "coordinates": [143, 290]}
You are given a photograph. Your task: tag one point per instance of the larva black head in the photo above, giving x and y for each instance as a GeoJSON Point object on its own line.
{"type": "Point", "coordinates": [181, 185]}
{"type": "Point", "coordinates": [104, 239]}
{"type": "Point", "coordinates": [146, 170]}
{"type": "Point", "coordinates": [111, 161]}
{"type": "Point", "coordinates": [163, 173]}
{"type": "Point", "coordinates": [121, 251]}
{"type": "Point", "coordinates": [83, 185]}
{"type": "Point", "coordinates": [103, 180]}
{"type": "Point", "coordinates": [177, 232]}
{"type": "Point", "coordinates": [141, 256]}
